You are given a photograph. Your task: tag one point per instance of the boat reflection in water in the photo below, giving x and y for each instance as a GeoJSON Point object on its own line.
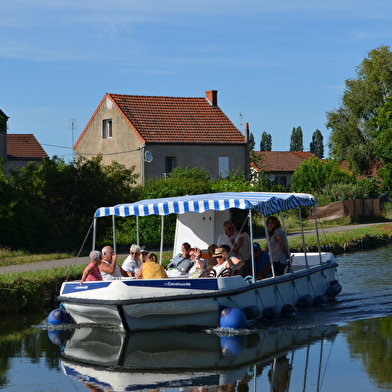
{"type": "Point", "coordinates": [116, 361]}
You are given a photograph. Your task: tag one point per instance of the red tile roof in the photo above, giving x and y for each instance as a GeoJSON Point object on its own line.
{"type": "Point", "coordinates": [287, 161]}
{"type": "Point", "coordinates": [174, 119]}
{"type": "Point", "coordinates": [24, 146]}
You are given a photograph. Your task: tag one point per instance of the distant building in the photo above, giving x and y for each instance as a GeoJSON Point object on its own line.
{"type": "Point", "coordinates": [156, 134]}
{"type": "Point", "coordinates": [22, 149]}
{"type": "Point", "coordinates": [279, 166]}
{"type": "Point", "coordinates": [18, 150]}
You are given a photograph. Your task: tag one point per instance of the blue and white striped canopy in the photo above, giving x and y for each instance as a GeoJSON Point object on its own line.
{"type": "Point", "coordinates": [266, 203]}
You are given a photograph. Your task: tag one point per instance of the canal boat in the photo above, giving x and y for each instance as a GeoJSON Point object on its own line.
{"type": "Point", "coordinates": [181, 359]}
{"type": "Point", "coordinates": [208, 301]}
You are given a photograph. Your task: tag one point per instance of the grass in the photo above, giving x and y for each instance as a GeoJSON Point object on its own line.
{"type": "Point", "coordinates": [44, 275]}
{"type": "Point", "coordinates": [341, 238]}
{"type": "Point", "coordinates": [9, 257]}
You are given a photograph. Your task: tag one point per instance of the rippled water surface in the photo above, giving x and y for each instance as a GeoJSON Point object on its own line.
{"type": "Point", "coordinates": [345, 345]}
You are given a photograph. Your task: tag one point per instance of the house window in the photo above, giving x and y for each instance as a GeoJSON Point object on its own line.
{"type": "Point", "coordinates": [280, 181]}
{"type": "Point", "coordinates": [107, 128]}
{"type": "Point", "coordinates": [223, 166]}
{"type": "Point", "coordinates": [170, 163]}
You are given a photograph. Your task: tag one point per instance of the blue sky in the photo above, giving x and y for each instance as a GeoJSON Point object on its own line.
{"type": "Point", "coordinates": [276, 64]}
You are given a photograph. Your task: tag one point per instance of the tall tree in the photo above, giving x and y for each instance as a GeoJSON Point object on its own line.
{"type": "Point", "coordinates": [251, 142]}
{"type": "Point", "coordinates": [296, 140]}
{"type": "Point", "coordinates": [266, 142]}
{"type": "Point", "coordinates": [353, 125]}
{"type": "Point", "coordinates": [316, 145]}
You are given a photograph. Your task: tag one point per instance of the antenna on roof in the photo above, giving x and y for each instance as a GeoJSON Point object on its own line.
{"type": "Point", "coordinates": [73, 125]}
{"type": "Point", "coordinates": [240, 120]}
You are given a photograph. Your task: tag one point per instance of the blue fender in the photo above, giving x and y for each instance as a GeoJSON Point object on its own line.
{"type": "Point", "coordinates": [334, 289]}
{"type": "Point", "coordinates": [305, 301]}
{"type": "Point", "coordinates": [320, 300]}
{"type": "Point", "coordinates": [233, 318]}
{"type": "Point", "coordinates": [289, 310]}
{"type": "Point", "coordinates": [59, 316]}
{"type": "Point", "coordinates": [251, 312]}
{"type": "Point", "coordinates": [271, 313]}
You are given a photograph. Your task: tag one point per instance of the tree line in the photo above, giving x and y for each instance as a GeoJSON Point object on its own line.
{"type": "Point", "coordinates": [316, 146]}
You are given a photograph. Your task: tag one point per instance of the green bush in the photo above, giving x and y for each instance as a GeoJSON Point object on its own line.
{"type": "Point", "coordinates": [361, 189]}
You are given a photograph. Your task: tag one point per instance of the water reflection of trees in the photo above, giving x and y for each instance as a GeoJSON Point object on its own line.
{"type": "Point", "coordinates": [18, 339]}
{"type": "Point", "coordinates": [371, 341]}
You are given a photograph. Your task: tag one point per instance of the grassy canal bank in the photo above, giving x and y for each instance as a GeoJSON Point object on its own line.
{"type": "Point", "coordinates": [38, 290]}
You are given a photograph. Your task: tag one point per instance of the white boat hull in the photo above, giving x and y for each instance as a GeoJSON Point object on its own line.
{"type": "Point", "coordinates": [132, 305]}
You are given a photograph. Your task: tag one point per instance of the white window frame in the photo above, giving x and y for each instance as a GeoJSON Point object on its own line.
{"type": "Point", "coordinates": [107, 128]}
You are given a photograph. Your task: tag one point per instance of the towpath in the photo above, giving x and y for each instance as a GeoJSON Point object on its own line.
{"type": "Point", "coordinates": [84, 260]}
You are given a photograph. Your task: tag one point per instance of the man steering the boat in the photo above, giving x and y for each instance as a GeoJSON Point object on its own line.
{"type": "Point", "coordinates": [109, 268]}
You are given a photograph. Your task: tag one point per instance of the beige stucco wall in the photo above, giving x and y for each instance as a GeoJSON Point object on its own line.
{"type": "Point", "coordinates": [124, 145]}
{"type": "Point", "coordinates": [126, 148]}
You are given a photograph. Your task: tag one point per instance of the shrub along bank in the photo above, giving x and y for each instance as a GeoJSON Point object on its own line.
{"type": "Point", "coordinates": [32, 292]}
{"type": "Point", "coordinates": [38, 291]}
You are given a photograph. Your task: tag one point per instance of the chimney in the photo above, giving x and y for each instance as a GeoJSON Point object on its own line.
{"type": "Point", "coordinates": [246, 132]}
{"type": "Point", "coordinates": [212, 97]}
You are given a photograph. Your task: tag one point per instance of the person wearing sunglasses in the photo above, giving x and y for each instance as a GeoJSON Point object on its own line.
{"type": "Point", "coordinates": [109, 267]}
{"type": "Point", "coordinates": [229, 236]}
{"type": "Point", "coordinates": [133, 262]}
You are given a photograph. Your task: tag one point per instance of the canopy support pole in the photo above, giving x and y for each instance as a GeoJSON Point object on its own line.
{"type": "Point", "coordinates": [114, 233]}
{"type": "Point", "coordinates": [303, 236]}
{"type": "Point", "coordinates": [137, 230]}
{"type": "Point", "coordinates": [252, 256]}
{"type": "Point", "coordinates": [94, 232]}
{"type": "Point", "coordinates": [162, 230]}
{"type": "Point", "coordinates": [317, 233]}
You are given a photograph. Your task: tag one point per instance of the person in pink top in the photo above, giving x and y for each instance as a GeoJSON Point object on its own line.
{"type": "Point", "coordinates": [92, 272]}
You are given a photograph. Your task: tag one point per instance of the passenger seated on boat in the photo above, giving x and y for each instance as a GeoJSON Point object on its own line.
{"type": "Point", "coordinates": [229, 236]}
{"type": "Point", "coordinates": [109, 268]}
{"type": "Point", "coordinates": [238, 266]}
{"type": "Point", "coordinates": [262, 262]}
{"type": "Point", "coordinates": [132, 263]}
{"type": "Point", "coordinates": [150, 269]}
{"type": "Point", "coordinates": [199, 264]}
{"type": "Point", "coordinates": [224, 261]}
{"type": "Point", "coordinates": [182, 261]}
{"type": "Point", "coordinates": [143, 254]}
{"type": "Point", "coordinates": [208, 258]}
{"type": "Point", "coordinates": [242, 246]}
{"type": "Point", "coordinates": [92, 272]}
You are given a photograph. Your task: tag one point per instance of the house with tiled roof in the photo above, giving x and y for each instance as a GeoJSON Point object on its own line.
{"type": "Point", "coordinates": [279, 166]}
{"type": "Point", "coordinates": [17, 150]}
{"type": "Point", "coordinates": [22, 149]}
{"type": "Point", "coordinates": [157, 133]}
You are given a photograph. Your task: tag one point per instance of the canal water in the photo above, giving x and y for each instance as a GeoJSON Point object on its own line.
{"type": "Point", "coordinates": [345, 345]}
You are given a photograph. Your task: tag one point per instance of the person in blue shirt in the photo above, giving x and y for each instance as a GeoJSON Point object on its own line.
{"type": "Point", "coordinates": [262, 262]}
